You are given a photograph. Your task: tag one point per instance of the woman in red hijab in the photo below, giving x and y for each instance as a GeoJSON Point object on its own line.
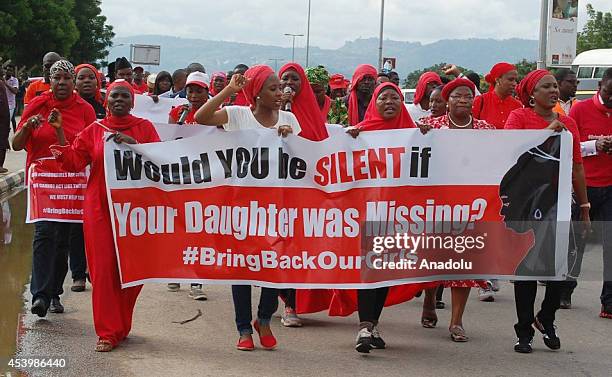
{"type": "Point", "coordinates": [218, 81]}
{"type": "Point", "coordinates": [88, 85]}
{"type": "Point", "coordinates": [362, 87]}
{"type": "Point", "coordinates": [386, 111]}
{"type": "Point", "coordinates": [495, 106]}
{"type": "Point", "coordinates": [112, 306]}
{"type": "Point", "coordinates": [419, 108]}
{"type": "Point", "coordinates": [301, 101]}
{"type": "Point", "coordinates": [539, 93]}
{"type": "Point", "coordinates": [53, 240]}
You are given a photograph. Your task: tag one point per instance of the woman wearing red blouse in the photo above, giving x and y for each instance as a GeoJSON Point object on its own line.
{"type": "Point", "coordinates": [52, 239]}
{"type": "Point", "coordinates": [495, 106]}
{"type": "Point", "coordinates": [539, 94]}
{"type": "Point", "coordinates": [459, 94]}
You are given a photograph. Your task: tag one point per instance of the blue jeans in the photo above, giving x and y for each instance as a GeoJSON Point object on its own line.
{"type": "Point", "coordinates": [268, 303]}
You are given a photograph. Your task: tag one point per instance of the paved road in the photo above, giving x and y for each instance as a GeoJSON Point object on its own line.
{"type": "Point", "coordinates": [324, 347]}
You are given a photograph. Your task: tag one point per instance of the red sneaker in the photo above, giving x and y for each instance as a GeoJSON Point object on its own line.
{"type": "Point", "coordinates": [606, 312]}
{"type": "Point", "coordinates": [268, 342]}
{"type": "Point", "coordinates": [245, 344]}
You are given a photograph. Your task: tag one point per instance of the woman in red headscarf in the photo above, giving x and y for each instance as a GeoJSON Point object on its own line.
{"type": "Point", "coordinates": [459, 95]}
{"type": "Point", "coordinates": [53, 240]}
{"type": "Point", "coordinates": [419, 108]}
{"type": "Point", "coordinates": [539, 94]}
{"type": "Point", "coordinates": [299, 98]}
{"type": "Point", "coordinates": [495, 106]}
{"type": "Point", "coordinates": [261, 88]}
{"type": "Point", "coordinates": [386, 111]}
{"type": "Point", "coordinates": [112, 306]}
{"type": "Point", "coordinates": [218, 81]}
{"type": "Point", "coordinates": [88, 85]}
{"type": "Point", "coordinates": [362, 87]}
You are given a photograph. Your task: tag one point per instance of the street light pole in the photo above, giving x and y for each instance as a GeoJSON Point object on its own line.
{"type": "Point", "coordinates": [380, 42]}
{"type": "Point", "coordinates": [543, 34]}
{"type": "Point", "coordinates": [308, 35]}
{"type": "Point", "coordinates": [293, 44]}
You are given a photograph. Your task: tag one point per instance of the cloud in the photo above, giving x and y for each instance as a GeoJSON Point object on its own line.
{"type": "Point", "coordinates": [332, 23]}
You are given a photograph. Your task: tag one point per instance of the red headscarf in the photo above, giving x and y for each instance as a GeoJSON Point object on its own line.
{"type": "Point", "coordinates": [125, 122]}
{"type": "Point", "coordinates": [448, 88]}
{"type": "Point", "coordinates": [305, 107]}
{"type": "Point", "coordinates": [47, 101]}
{"type": "Point", "coordinates": [498, 71]}
{"type": "Point", "coordinates": [527, 85]}
{"type": "Point", "coordinates": [374, 121]}
{"type": "Point", "coordinates": [211, 87]}
{"type": "Point", "coordinates": [116, 83]}
{"type": "Point", "coordinates": [256, 76]}
{"type": "Point", "coordinates": [421, 87]}
{"type": "Point", "coordinates": [98, 94]}
{"type": "Point", "coordinates": [361, 71]}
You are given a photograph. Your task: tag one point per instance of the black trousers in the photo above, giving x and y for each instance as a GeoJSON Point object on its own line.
{"type": "Point", "coordinates": [78, 261]}
{"type": "Point", "coordinates": [288, 295]}
{"type": "Point", "coordinates": [370, 303]}
{"type": "Point", "coordinates": [524, 298]}
{"type": "Point", "coordinates": [601, 217]}
{"type": "Point", "coordinates": [51, 247]}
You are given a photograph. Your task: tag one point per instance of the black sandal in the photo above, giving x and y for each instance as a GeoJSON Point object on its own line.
{"type": "Point", "coordinates": [429, 319]}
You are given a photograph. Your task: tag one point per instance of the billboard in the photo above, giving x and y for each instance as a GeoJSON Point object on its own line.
{"type": "Point", "coordinates": [145, 54]}
{"type": "Point", "coordinates": [562, 32]}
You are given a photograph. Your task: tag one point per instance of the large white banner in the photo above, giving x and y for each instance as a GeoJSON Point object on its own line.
{"type": "Point", "coordinates": [562, 32]}
{"type": "Point", "coordinates": [252, 207]}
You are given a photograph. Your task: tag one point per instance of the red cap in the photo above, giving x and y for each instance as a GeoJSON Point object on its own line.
{"type": "Point", "coordinates": [337, 81]}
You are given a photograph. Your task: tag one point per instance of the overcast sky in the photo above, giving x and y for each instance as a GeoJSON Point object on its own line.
{"type": "Point", "coordinates": [332, 22]}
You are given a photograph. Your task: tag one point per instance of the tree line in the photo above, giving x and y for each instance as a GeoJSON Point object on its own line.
{"type": "Point", "coordinates": [75, 29]}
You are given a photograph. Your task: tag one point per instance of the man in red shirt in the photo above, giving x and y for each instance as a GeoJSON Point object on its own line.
{"type": "Point", "coordinates": [38, 87]}
{"type": "Point", "coordinates": [139, 84]}
{"type": "Point", "coordinates": [594, 119]}
{"type": "Point", "coordinates": [495, 106]}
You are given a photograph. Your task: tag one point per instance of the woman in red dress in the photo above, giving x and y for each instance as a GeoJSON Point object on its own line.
{"type": "Point", "coordinates": [112, 306]}
{"type": "Point", "coordinates": [459, 94]}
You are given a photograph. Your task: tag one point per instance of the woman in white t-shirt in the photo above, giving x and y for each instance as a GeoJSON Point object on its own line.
{"type": "Point", "coordinates": [262, 90]}
{"type": "Point", "coordinates": [261, 87]}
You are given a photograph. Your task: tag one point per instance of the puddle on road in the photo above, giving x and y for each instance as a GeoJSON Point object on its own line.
{"type": "Point", "coordinates": [15, 268]}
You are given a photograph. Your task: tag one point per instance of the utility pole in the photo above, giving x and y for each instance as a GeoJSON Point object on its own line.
{"type": "Point", "coordinates": [308, 35]}
{"type": "Point", "coordinates": [276, 60]}
{"type": "Point", "coordinates": [380, 42]}
{"type": "Point", "coordinates": [543, 35]}
{"type": "Point", "coordinates": [293, 44]}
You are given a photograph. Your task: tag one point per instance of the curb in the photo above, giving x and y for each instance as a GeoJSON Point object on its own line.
{"type": "Point", "coordinates": [11, 181]}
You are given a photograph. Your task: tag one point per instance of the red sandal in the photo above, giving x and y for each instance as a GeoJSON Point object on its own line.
{"type": "Point", "coordinates": [245, 344]}
{"type": "Point", "coordinates": [268, 342]}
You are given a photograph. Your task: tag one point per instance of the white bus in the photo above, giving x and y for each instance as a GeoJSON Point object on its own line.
{"type": "Point", "coordinates": [590, 67]}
